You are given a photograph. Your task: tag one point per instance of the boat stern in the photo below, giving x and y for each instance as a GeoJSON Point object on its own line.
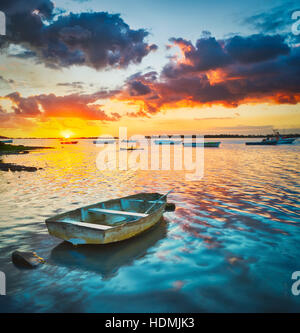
{"type": "Point", "coordinates": [75, 234]}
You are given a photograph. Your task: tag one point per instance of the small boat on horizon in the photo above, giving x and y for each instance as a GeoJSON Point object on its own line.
{"type": "Point", "coordinates": [167, 142]}
{"type": "Point", "coordinates": [106, 142]}
{"type": "Point", "coordinates": [7, 141]}
{"type": "Point", "coordinates": [68, 142]}
{"type": "Point", "coordinates": [277, 139]}
{"type": "Point", "coordinates": [109, 221]}
{"type": "Point", "coordinates": [131, 148]}
{"type": "Point", "coordinates": [129, 141]}
{"type": "Point", "coordinates": [201, 144]}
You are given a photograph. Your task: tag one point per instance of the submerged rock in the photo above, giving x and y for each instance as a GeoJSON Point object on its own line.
{"type": "Point", "coordinates": [26, 259]}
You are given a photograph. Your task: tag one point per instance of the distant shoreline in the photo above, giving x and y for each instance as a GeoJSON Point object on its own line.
{"type": "Point", "coordinates": [211, 136]}
{"type": "Point", "coordinates": [8, 149]}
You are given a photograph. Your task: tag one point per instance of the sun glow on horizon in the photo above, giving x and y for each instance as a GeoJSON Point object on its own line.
{"type": "Point", "coordinates": [67, 134]}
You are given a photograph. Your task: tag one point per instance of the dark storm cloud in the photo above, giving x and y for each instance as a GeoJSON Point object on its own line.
{"type": "Point", "coordinates": [96, 39]}
{"type": "Point", "coordinates": [228, 72]}
{"type": "Point", "coordinates": [210, 54]}
{"type": "Point", "coordinates": [205, 55]}
{"type": "Point", "coordinates": [137, 88]}
{"type": "Point", "coordinates": [256, 48]}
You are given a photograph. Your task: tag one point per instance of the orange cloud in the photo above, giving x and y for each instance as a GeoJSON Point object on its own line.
{"type": "Point", "coordinates": [47, 106]}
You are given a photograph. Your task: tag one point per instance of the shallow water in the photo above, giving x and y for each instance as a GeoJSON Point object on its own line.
{"type": "Point", "coordinates": [231, 245]}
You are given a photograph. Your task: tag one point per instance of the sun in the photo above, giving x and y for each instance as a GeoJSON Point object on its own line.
{"type": "Point", "coordinates": [66, 134]}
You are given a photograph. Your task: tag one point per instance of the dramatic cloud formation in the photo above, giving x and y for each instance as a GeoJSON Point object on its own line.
{"type": "Point", "coordinates": [228, 72]}
{"type": "Point", "coordinates": [96, 39]}
{"type": "Point", "coordinates": [256, 48]}
{"type": "Point", "coordinates": [207, 54]}
{"type": "Point", "coordinates": [257, 68]}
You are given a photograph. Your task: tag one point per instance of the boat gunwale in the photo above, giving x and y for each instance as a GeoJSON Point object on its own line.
{"type": "Point", "coordinates": [119, 226]}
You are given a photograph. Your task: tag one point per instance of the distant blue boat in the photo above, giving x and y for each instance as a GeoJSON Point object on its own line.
{"type": "Point", "coordinates": [277, 139]}
{"type": "Point", "coordinates": [99, 142]}
{"type": "Point", "coordinates": [129, 141]}
{"type": "Point", "coordinates": [213, 144]}
{"type": "Point", "coordinates": [7, 141]}
{"type": "Point", "coordinates": [167, 142]}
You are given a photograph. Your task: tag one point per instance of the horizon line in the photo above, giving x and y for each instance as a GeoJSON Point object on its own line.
{"type": "Point", "coordinates": [153, 135]}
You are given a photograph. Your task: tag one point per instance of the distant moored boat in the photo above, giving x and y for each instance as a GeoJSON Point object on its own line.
{"type": "Point", "coordinates": [167, 142]}
{"type": "Point", "coordinates": [129, 141]}
{"type": "Point", "coordinates": [131, 148]}
{"type": "Point", "coordinates": [69, 142]}
{"type": "Point", "coordinates": [277, 139]}
{"type": "Point", "coordinates": [7, 141]}
{"type": "Point", "coordinates": [201, 144]}
{"type": "Point", "coordinates": [106, 142]}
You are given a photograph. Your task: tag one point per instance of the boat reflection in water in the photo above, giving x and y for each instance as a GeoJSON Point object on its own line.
{"type": "Point", "coordinates": [108, 258]}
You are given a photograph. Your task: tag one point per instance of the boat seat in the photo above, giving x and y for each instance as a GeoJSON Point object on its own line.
{"type": "Point", "coordinates": [116, 212]}
{"type": "Point", "coordinates": [89, 225]}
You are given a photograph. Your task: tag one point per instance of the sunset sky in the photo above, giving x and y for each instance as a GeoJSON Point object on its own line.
{"type": "Point", "coordinates": [86, 68]}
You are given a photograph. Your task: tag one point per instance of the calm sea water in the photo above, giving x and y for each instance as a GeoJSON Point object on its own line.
{"type": "Point", "coordinates": [231, 245]}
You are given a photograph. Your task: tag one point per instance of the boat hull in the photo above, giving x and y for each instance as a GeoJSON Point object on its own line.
{"type": "Point", "coordinates": [286, 141]}
{"type": "Point", "coordinates": [262, 143]}
{"type": "Point", "coordinates": [90, 234]}
{"type": "Point", "coordinates": [130, 149]}
{"type": "Point", "coordinates": [166, 142]}
{"type": "Point", "coordinates": [103, 142]}
{"type": "Point", "coordinates": [7, 141]}
{"type": "Point", "coordinates": [69, 143]}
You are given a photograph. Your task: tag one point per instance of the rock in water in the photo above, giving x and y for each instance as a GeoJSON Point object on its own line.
{"type": "Point", "coordinates": [170, 207]}
{"type": "Point", "coordinates": [26, 259]}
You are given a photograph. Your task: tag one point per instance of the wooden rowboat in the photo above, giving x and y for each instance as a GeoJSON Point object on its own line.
{"type": "Point", "coordinates": [109, 221]}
